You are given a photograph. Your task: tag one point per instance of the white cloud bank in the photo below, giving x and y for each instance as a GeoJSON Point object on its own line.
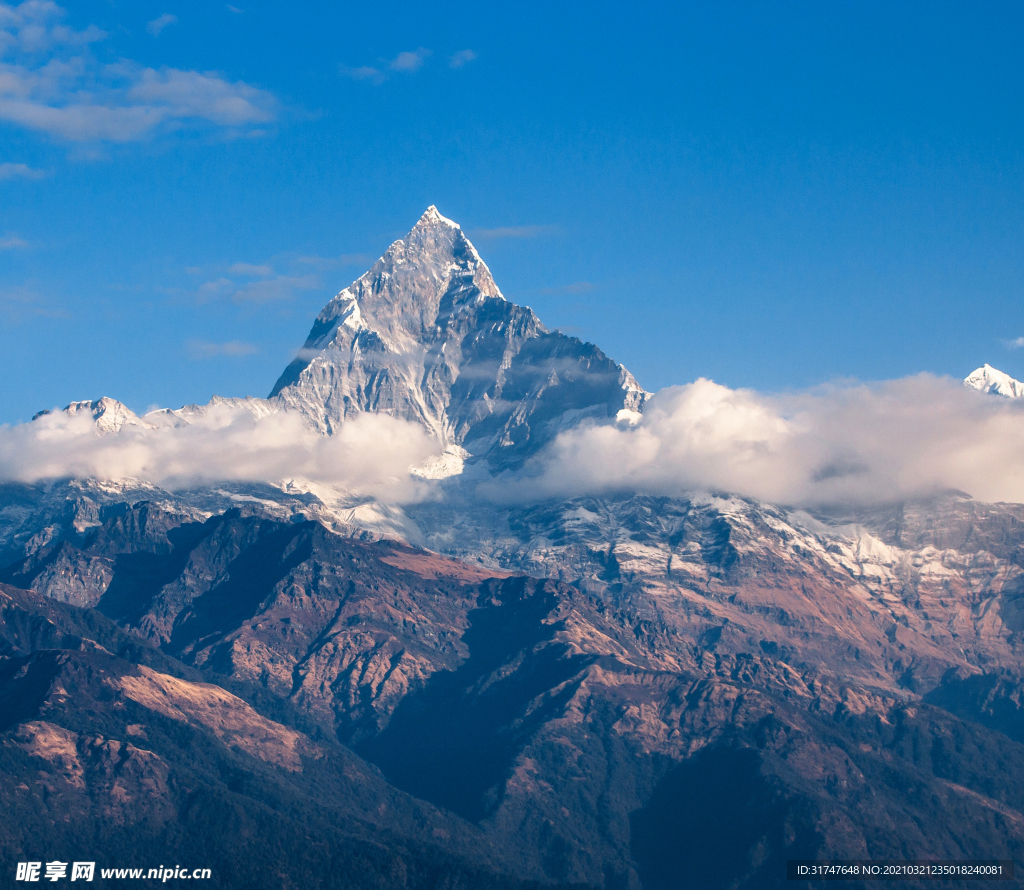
{"type": "Point", "coordinates": [371, 455]}
{"type": "Point", "coordinates": [858, 444]}
{"type": "Point", "coordinates": [52, 82]}
{"type": "Point", "coordinates": [838, 445]}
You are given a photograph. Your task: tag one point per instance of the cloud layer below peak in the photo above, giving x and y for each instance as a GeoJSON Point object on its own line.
{"type": "Point", "coordinates": [370, 456]}
{"type": "Point", "coordinates": [858, 444]}
{"type": "Point", "coordinates": [836, 445]}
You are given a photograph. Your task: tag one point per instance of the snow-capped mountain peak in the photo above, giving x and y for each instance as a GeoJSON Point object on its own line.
{"type": "Point", "coordinates": [991, 380]}
{"type": "Point", "coordinates": [431, 216]}
{"type": "Point", "coordinates": [109, 414]}
{"type": "Point", "coordinates": [426, 335]}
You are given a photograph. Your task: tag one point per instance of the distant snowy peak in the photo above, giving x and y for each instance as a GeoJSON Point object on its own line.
{"type": "Point", "coordinates": [112, 416]}
{"type": "Point", "coordinates": [108, 414]}
{"type": "Point", "coordinates": [990, 380]}
{"type": "Point", "coordinates": [426, 335]}
{"type": "Point", "coordinates": [188, 414]}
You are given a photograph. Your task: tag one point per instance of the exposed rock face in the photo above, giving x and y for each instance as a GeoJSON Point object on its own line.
{"type": "Point", "coordinates": [426, 335]}
{"type": "Point", "coordinates": [580, 738]}
{"type": "Point", "coordinates": [289, 606]}
{"type": "Point", "coordinates": [882, 602]}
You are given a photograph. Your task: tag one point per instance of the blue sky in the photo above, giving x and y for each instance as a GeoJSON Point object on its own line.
{"type": "Point", "coordinates": [769, 195]}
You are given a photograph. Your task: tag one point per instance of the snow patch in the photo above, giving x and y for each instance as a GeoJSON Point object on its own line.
{"type": "Point", "coordinates": [450, 462]}
{"type": "Point", "coordinates": [991, 380]}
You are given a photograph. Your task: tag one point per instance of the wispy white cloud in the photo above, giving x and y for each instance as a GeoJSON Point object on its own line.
{"type": "Point", "coordinates": [158, 24]}
{"type": "Point", "coordinates": [410, 61]}
{"type": "Point", "coordinates": [50, 81]}
{"type": "Point", "coordinates": [278, 287]}
{"type": "Point", "coordinates": [370, 455]}
{"type": "Point", "coordinates": [1018, 343]}
{"type": "Point", "coordinates": [243, 282]}
{"type": "Point", "coordinates": [189, 94]}
{"type": "Point", "coordinates": [576, 288]}
{"type": "Point", "coordinates": [250, 269]}
{"type": "Point", "coordinates": [215, 289]}
{"type": "Point", "coordinates": [12, 242]}
{"type": "Point", "coordinates": [34, 27]}
{"type": "Point", "coordinates": [346, 259]}
{"type": "Point", "coordinates": [837, 445]}
{"type": "Point", "coordinates": [19, 171]}
{"type": "Point", "coordinates": [201, 349]}
{"type": "Point", "coordinates": [407, 62]}
{"type": "Point", "coordinates": [517, 232]}
{"type": "Point", "coordinates": [273, 288]}
{"type": "Point", "coordinates": [19, 303]}
{"type": "Point", "coordinates": [461, 58]}
{"type": "Point", "coordinates": [363, 72]}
